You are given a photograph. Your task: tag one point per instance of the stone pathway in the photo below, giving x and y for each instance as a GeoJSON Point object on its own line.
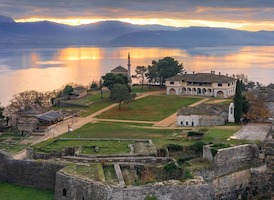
{"type": "Point", "coordinates": [253, 131]}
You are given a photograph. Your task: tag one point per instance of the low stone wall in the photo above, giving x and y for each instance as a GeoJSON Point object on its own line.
{"type": "Point", "coordinates": [140, 159]}
{"type": "Point", "coordinates": [28, 173]}
{"type": "Point", "coordinates": [74, 188]}
{"type": "Point", "coordinates": [231, 159]}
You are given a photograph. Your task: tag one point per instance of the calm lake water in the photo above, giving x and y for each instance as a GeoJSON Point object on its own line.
{"type": "Point", "coordinates": [50, 68]}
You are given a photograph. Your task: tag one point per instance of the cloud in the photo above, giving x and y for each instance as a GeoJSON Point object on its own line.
{"type": "Point", "coordinates": [213, 10]}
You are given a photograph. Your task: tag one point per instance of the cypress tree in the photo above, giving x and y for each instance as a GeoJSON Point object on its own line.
{"type": "Point", "coordinates": [238, 102]}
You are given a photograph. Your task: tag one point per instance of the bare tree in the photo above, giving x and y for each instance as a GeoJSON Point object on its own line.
{"type": "Point", "coordinates": [28, 99]}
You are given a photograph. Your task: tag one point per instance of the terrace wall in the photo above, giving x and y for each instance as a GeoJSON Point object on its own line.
{"type": "Point", "coordinates": [76, 188]}
{"type": "Point", "coordinates": [28, 173]}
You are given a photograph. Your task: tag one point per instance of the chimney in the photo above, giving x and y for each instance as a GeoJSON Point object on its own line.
{"type": "Point", "coordinates": [193, 72]}
{"type": "Point", "coordinates": [219, 73]}
{"type": "Point", "coordinates": [212, 72]}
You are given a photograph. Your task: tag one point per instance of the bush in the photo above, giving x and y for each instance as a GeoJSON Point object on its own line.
{"type": "Point", "coordinates": [197, 147]}
{"type": "Point", "coordinates": [174, 147]}
{"type": "Point", "coordinates": [171, 171]}
{"type": "Point", "coordinates": [184, 159]}
{"type": "Point", "coordinates": [170, 168]}
{"type": "Point", "coordinates": [195, 135]}
{"type": "Point", "coordinates": [187, 174]}
{"type": "Point", "coordinates": [150, 197]}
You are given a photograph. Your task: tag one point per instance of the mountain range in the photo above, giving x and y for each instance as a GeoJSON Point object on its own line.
{"type": "Point", "coordinates": [116, 33]}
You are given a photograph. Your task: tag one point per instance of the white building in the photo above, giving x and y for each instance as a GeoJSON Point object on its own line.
{"type": "Point", "coordinates": [203, 115]}
{"type": "Point", "coordinates": [204, 84]}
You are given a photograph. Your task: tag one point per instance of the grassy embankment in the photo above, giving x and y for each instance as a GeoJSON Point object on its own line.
{"type": "Point", "coordinates": [15, 192]}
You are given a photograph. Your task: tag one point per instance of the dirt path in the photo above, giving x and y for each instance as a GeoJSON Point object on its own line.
{"type": "Point", "coordinates": [77, 123]}
{"type": "Point", "coordinates": [171, 120]}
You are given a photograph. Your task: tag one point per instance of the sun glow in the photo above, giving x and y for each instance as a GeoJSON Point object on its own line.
{"type": "Point", "coordinates": [250, 26]}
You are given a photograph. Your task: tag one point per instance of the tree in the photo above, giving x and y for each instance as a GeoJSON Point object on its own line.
{"type": "Point", "coordinates": [164, 68]}
{"type": "Point", "coordinates": [238, 102]}
{"type": "Point", "coordinates": [101, 88]}
{"type": "Point", "coordinates": [28, 99]}
{"type": "Point", "coordinates": [245, 104]}
{"type": "Point", "coordinates": [270, 86]}
{"type": "Point", "coordinates": [65, 91]}
{"type": "Point", "coordinates": [141, 74]}
{"type": "Point", "coordinates": [120, 93]}
{"type": "Point", "coordinates": [152, 73]}
{"type": "Point", "coordinates": [258, 110]}
{"type": "Point", "coordinates": [251, 85]}
{"type": "Point", "coordinates": [94, 84]}
{"type": "Point", "coordinates": [110, 79]}
{"type": "Point", "coordinates": [1, 112]}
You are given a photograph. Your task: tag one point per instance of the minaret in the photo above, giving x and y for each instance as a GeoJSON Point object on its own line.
{"type": "Point", "coordinates": [128, 69]}
{"type": "Point", "coordinates": [231, 110]}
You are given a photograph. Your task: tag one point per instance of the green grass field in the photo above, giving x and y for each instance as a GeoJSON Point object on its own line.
{"type": "Point", "coordinates": [15, 192]}
{"type": "Point", "coordinates": [105, 147]}
{"type": "Point", "coordinates": [151, 108]}
{"type": "Point", "coordinates": [160, 137]}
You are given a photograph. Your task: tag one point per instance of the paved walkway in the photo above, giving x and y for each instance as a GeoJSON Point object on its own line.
{"type": "Point", "coordinates": [253, 131]}
{"type": "Point", "coordinates": [171, 120]}
{"type": "Point", "coordinates": [75, 123]}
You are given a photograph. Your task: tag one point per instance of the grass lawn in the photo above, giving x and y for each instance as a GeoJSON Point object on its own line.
{"type": "Point", "coordinates": [92, 97]}
{"type": "Point", "coordinates": [105, 147]}
{"type": "Point", "coordinates": [96, 107]}
{"type": "Point", "coordinates": [146, 88]}
{"type": "Point", "coordinates": [160, 137]}
{"type": "Point", "coordinates": [93, 102]}
{"type": "Point", "coordinates": [221, 134]}
{"type": "Point", "coordinates": [151, 108]}
{"type": "Point", "coordinates": [14, 192]}
{"type": "Point", "coordinates": [91, 171]}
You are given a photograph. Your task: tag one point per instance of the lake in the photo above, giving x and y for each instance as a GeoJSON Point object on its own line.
{"type": "Point", "coordinates": [51, 68]}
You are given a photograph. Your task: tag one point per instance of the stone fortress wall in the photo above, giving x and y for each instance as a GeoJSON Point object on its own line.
{"type": "Point", "coordinates": [28, 173]}
{"type": "Point", "coordinates": [76, 188]}
{"type": "Point", "coordinates": [235, 175]}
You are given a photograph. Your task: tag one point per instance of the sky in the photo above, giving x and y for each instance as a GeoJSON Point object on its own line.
{"type": "Point", "coordinates": [250, 15]}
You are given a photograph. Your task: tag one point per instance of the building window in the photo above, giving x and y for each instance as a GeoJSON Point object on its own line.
{"type": "Point", "coordinates": [182, 123]}
{"type": "Point", "coordinates": [228, 84]}
{"type": "Point", "coordinates": [220, 84]}
{"type": "Point", "coordinates": [192, 124]}
{"type": "Point", "coordinates": [64, 192]}
{"type": "Point", "coordinates": [231, 110]}
{"type": "Point", "coordinates": [186, 123]}
{"type": "Point", "coordinates": [171, 82]}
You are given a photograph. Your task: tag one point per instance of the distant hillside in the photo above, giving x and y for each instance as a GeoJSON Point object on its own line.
{"type": "Point", "coordinates": [116, 33]}
{"type": "Point", "coordinates": [4, 19]}
{"type": "Point", "coordinates": [194, 37]}
{"type": "Point", "coordinates": [47, 33]}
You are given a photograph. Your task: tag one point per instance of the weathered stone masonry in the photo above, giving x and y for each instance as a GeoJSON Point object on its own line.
{"type": "Point", "coordinates": [76, 188]}
{"type": "Point", "coordinates": [28, 173]}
